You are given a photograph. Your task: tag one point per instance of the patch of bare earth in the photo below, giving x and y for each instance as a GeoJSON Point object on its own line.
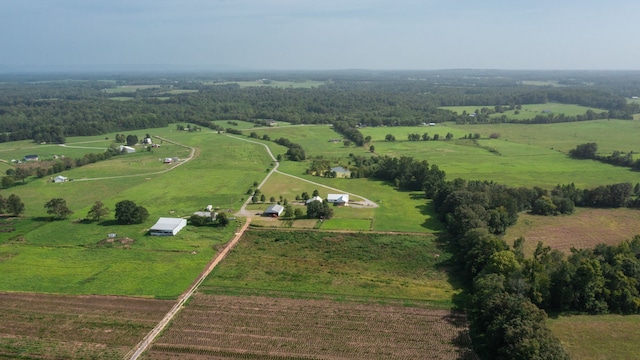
{"type": "Point", "coordinates": [229, 327]}
{"type": "Point", "coordinates": [585, 228]}
{"type": "Point", "coordinates": [74, 327]}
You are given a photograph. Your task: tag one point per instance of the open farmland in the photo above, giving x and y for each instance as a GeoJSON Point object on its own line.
{"type": "Point", "coordinates": [586, 228]}
{"type": "Point", "coordinates": [224, 327]}
{"type": "Point", "coordinates": [529, 111]}
{"type": "Point", "coordinates": [38, 326]}
{"type": "Point", "coordinates": [311, 263]}
{"type": "Point", "coordinates": [598, 337]}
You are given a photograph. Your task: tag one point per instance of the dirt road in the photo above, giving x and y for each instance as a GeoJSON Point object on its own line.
{"type": "Point", "coordinates": [151, 336]}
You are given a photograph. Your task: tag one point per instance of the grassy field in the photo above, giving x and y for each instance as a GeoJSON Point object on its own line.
{"type": "Point", "coordinates": [68, 256]}
{"type": "Point", "coordinates": [130, 88]}
{"type": "Point", "coordinates": [275, 83]}
{"type": "Point", "coordinates": [598, 337]}
{"type": "Point", "coordinates": [529, 111]}
{"type": "Point", "coordinates": [586, 228]}
{"type": "Point", "coordinates": [512, 159]}
{"type": "Point", "coordinates": [378, 266]}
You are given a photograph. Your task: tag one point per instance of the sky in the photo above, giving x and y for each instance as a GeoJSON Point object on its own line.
{"type": "Point", "coordinates": [322, 34]}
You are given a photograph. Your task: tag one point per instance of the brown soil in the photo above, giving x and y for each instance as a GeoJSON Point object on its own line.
{"type": "Point", "coordinates": [73, 327]}
{"type": "Point", "coordinates": [228, 327]}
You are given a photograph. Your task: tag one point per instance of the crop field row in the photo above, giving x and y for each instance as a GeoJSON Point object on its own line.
{"type": "Point", "coordinates": [224, 327]}
{"type": "Point", "coordinates": [88, 327]}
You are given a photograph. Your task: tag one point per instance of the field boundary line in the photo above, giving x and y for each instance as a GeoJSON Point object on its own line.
{"type": "Point", "coordinates": [144, 344]}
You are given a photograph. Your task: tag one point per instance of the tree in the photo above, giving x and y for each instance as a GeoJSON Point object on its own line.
{"type": "Point", "coordinates": [58, 208]}
{"type": "Point", "coordinates": [389, 137]}
{"type": "Point", "coordinates": [297, 212]}
{"type": "Point", "coordinates": [263, 198]}
{"type": "Point", "coordinates": [7, 182]}
{"type": "Point", "coordinates": [127, 212]}
{"type": "Point", "coordinates": [319, 210]}
{"type": "Point", "coordinates": [584, 151]}
{"type": "Point", "coordinates": [315, 193]}
{"type": "Point", "coordinates": [197, 220]}
{"type": "Point", "coordinates": [288, 211]}
{"type": "Point", "coordinates": [97, 211]}
{"type": "Point", "coordinates": [222, 219]}
{"type": "Point", "coordinates": [132, 140]}
{"type": "Point", "coordinates": [372, 148]}
{"type": "Point", "coordinates": [14, 205]}
{"type": "Point", "coordinates": [22, 172]}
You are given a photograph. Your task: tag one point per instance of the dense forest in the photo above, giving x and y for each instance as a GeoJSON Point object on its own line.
{"type": "Point", "coordinates": [51, 110]}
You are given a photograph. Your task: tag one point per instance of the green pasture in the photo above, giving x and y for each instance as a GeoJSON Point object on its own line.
{"type": "Point", "coordinates": [275, 83]}
{"type": "Point", "coordinates": [515, 158]}
{"type": "Point", "coordinates": [65, 256]}
{"type": "Point", "coordinates": [356, 264]}
{"type": "Point", "coordinates": [529, 111]}
{"type": "Point", "coordinates": [130, 88]}
{"type": "Point", "coordinates": [397, 211]}
{"type": "Point", "coordinates": [610, 135]}
{"type": "Point", "coordinates": [591, 337]}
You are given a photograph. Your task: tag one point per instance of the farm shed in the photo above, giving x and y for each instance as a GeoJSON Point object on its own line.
{"type": "Point", "coordinates": [31, 158]}
{"type": "Point", "coordinates": [338, 199]}
{"type": "Point", "coordinates": [274, 210]}
{"type": "Point", "coordinates": [315, 198]}
{"type": "Point", "coordinates": [167, 226]}
{"type": "Point", "coordinates": [59, 179]}
{"type": "Point", "coordinates": [127, 149]}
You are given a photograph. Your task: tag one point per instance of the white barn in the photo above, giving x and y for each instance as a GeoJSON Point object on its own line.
{"type": "Point", "coordinates": [60, 179]}
{"type": "Point", "coordinates": [167, 226]}
{"type": "Point", "coordinates": [338, 199]}
{"type": "Point", "coordinates": [127, 149]}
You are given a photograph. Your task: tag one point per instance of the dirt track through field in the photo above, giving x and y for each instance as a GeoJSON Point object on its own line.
{"type": "Point", "coordinates": [151, 336]}
{"type": "Point", "coordinates": [244, 212]}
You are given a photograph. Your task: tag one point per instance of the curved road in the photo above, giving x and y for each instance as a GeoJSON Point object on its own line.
{"type": "Point", "coordinates": [244, 212]}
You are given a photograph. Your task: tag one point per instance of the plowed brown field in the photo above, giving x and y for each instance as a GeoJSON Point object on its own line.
{"type": "Point", "coordinates": [228, 327]}
{"type": "Point", "coordinates": [74, 327]}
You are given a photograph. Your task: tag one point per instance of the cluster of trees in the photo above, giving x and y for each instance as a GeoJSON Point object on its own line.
{"type": "Point", "coordinates": [295, 152]}
{"type": "Point", "coordinates": [319, 210]}
{"type": "Point", "coordinates": [128, 212]}
{"type": "Point", "coordinates": [427, 137]}
{"type": "Point", "coordinates": [549, 118]}
{"type": "Point", "coordinates": [351, 133]}
{"type": "Point", "coordinates": [221, 220]}
{"type": "Point", "coordinates": [618, 158]}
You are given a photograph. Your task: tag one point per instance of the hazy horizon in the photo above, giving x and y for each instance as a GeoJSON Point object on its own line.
{"type": "Point", "coordinates": [273, 35]}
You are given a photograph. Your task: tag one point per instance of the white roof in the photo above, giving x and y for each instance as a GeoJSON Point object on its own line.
{"type": "Point", "coordinates": [274, 209]}
{"type": "Point", "coordinates": [61, 177]}
{"type": "Point", "coordinates": [338, 198]}
{"type": "Point", "coordinates": [167, 223]}
{"type": "Point", "coordinates": [315, 198]}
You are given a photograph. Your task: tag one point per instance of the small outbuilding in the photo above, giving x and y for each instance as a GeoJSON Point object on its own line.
{"type": "Point", "coordinates": [59, 179]}
{"type": "Point", "coordinates": [338, 199]}
{"type": "Point", "coordinates": [167, 226]}
{"type": "Point", "coordinates": [127, 149]}
{"type": "Point", "coordinates": [31, 158]}
{"type": "Point", "coordinates": [315, 198]}
{"type": "Point", "coordinates": [274, 210]}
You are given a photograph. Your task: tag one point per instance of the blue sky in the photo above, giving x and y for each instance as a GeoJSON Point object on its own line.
{"type": "Point", "coordinates": [318, 35]}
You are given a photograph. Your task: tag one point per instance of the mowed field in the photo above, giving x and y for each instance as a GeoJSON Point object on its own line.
{"type": "Point", "coordinates": [529, 111]}
{"type": "Point", "coordinates": [586, 228]}
{"type": "Point", "coordinates": [226, 327]}
{"type": "Point", "coordinates": [598, 337]}
{"type": "Point", "coordinates": [39, 326]}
